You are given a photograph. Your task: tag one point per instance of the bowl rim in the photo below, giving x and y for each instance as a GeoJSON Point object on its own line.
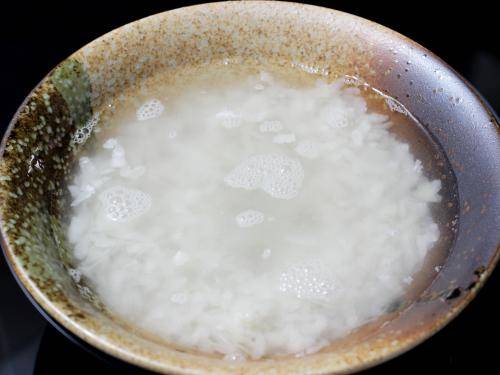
{"type": "Point", "coordinates": [67, 326]}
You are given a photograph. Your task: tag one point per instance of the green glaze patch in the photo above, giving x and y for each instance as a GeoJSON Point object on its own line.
{"type": "Point", "coordinates": [72, 82]}
{"type": "Point", "coordinates": [34, 170]}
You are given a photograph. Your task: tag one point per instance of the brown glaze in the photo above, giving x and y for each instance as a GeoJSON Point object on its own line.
{"type": "Point", "coordinates": [39, 147]}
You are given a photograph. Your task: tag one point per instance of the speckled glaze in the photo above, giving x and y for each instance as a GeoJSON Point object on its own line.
{"type": "Point", "coordinates": [39, 148]}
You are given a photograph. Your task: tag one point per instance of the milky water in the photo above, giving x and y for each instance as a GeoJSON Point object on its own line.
{"type": "Point", "coordinates": [251, 218]}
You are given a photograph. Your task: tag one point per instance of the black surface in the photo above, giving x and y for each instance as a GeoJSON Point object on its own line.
{"type": "Point", "coordinates": [35, 36]}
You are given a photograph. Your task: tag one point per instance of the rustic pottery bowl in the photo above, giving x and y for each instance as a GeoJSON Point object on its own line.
{"type": "Point", "coordinates": [39, 148]}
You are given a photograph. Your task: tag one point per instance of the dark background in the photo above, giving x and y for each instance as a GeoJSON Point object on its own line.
{"type": "Point", "coordinates": [35, 36]}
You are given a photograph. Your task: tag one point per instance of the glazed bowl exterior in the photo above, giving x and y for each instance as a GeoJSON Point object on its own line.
{"type": "Point", "coordinates": [38, 151]}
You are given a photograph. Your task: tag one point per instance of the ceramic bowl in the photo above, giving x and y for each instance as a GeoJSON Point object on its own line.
{"type": "Point", "coordinates": [40, 145]}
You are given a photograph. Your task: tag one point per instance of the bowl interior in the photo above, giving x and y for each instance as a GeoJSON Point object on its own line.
{"type": "Point", "coordinates": [457, 140]}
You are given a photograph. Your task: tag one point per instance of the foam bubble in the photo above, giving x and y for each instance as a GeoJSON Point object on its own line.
{"type": "Point", "coordinates": [122, 204]}
{"type": "Point", "coordinates": [249, 218]}
{"type": "Point", "coordinates": [75, 275]}
{"type": "Point", "coordinates": [308, 280]}
{"type": "Point", "coordinates": [228, 119]}
{"type": "Point", "coordinates": [149, 110]}
{"type": "Point", "coordinates": [278, 175]}
{"type": "Point", "coordinates": [83, 133]}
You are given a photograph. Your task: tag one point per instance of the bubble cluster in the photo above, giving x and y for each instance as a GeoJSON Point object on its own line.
{"type": "Point", "coordinates": [308, 280]}
{"type": "Point", "coordinates": [149, 110]}
{"type": "Point", "coordinates": [82, 134]}
{"type": "Point", "coordinates": [122, 204]}
{"type": "Point", "coordinates": [277, 175]}
{"type": "Point", "coordinates": [228, 119]}
{"type": "Point", "coordinates": [249, 218]}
